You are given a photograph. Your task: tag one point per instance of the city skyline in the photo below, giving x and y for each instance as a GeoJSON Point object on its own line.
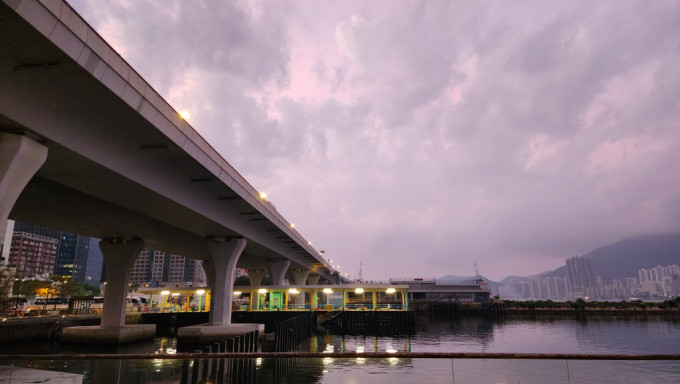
{"type": "Point", "coordinates": [431, 135]}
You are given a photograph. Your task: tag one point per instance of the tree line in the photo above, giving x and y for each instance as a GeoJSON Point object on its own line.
{"type": "Point", "coordinates": [582, 305]}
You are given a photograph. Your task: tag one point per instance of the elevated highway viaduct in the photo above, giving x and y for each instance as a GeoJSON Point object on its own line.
{"type": "Point", "coordinates": [87, 146]}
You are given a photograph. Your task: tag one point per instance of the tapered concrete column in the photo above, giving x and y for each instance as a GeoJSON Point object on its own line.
{"type": "Point", "coordinates": [313, 280]}
{"type": "Point", "coordinates": [119, 257]}
{"type": "Point", "coordinates": [256, 276]}
{"type": "Point", "coordinates": [277, 270]}
{"type": "Point", "coordinates": [220, 269]}
{"type": "Point", "coordinates": [300, 276]}
{"type": "Point", "coordinates": [20, 159]}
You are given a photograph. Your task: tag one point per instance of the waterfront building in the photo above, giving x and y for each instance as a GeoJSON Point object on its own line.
{"type": "Point", "coordinates": [580, 275]}
{"type": "Point", "coordinates": [431, 289]}
{"type": "Point", "coordinates": [344, 297]}
{"type": "Point", "coordinates": [32, 255]}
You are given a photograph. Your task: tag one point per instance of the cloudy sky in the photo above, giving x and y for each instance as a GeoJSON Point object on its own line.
{"type": "Point", "coordinates": [420, 137]}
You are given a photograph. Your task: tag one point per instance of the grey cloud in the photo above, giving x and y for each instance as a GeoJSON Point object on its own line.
{"type": "Point", "coordinates": [406, 170]}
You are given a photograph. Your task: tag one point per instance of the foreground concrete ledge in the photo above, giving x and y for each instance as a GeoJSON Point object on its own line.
{"type": "Point", "coordinates": [28, 375]}
{"type": "Point", "coordinates": [99, 335]}
{"type": "Point", "coordinates": [205, 334]}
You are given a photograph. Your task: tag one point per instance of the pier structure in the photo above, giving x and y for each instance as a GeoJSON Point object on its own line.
{"type": "Point", "coordinates": [88, 146]}
{"type": "Point", "coordinates": [435, 290]}
{"type": "Point", "coordinates": [325, 297]}
{"type": "Point", "coordinates": [344, 297]}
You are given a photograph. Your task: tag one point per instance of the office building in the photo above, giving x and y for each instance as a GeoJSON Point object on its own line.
{"type": "Point", "coordinates": [32, 255]}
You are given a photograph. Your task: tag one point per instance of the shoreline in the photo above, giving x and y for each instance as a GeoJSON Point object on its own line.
{"type": "Point", "coordinates": [588, 312]}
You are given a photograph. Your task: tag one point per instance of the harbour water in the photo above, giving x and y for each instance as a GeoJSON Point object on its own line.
{"type": "Point", "coordinates": [647, 335]}
{"type": "Point", "coordinates": [547, 335]}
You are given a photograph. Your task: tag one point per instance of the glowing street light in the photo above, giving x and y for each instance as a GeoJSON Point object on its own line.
{"type": "Point", "coordinates": [184, 114]}
{"type": "Point", "coordinates": [200, 294]}
{"type": "Point", "coordinates": [263, 195]}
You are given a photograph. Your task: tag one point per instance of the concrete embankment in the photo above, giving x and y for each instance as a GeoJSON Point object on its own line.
{"type": "Point", "coordinates": [18, 330]}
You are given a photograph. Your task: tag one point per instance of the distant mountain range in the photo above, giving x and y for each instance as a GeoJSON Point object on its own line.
{"type": "Point", "coordinates": [621, 259]}
{"type": "Point", "coordinates": [493, 285]}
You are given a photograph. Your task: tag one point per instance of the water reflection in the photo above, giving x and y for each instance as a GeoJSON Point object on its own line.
{"type": "Point", "coordinates": [368, 370]}
{"type": "Point", "coordinates": [545, 335]}
{"type": "Point", "coordinates": [611, 335]}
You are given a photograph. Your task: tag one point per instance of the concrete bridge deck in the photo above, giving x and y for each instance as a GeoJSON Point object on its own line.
{"type": "Point", "coordinates": [88, 146]}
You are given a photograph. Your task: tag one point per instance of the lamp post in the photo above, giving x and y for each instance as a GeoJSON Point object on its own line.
{"type": "Point", "coordinates": [200, 294]}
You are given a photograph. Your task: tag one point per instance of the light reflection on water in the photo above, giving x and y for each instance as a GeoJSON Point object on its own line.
{"type": "Point", "coordinates": [385, 371]}
{"type": "Point", "coordinates": [605, 335]}
{"type": "Point", "coordinates": [652, 335]}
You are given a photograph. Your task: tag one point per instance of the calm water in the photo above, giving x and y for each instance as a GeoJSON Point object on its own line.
{"type": "Point", "coordinates": [604, 335]}
{"type": "Point", "coordinates": [622, 335]}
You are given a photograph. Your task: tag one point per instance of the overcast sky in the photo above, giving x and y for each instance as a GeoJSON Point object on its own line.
{"type": "Point", "coordinates": [420, 137]}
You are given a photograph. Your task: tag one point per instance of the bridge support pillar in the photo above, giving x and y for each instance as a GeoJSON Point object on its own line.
{"type": "Point", "coordinates": [313, 280]}
{"type": "Point", "coordinates": [277, 270]}
{"type": "Point", "coordinates": [119, 257]}
{"type": "Point", "coordinates": [256, 276]}
{"type": "Point", "coordinates": [300, 276]}
{"type": "Point", "coordinates": [20, 159]}
{"type": "Point", "coordinates": [220, 268]}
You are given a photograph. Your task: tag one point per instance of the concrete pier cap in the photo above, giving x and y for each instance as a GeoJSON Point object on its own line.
{"type": "Point", "coordinates": [108, 335]}
{"type": "Point", "coordinates": [204, 334]}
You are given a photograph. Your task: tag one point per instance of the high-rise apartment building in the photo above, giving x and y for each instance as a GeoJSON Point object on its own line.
{"type": "Point", "coordinates": [659, 281]}
{"type": "Point", "coordinates": [542, 288]}
{"type": "Point", "coordinates": [157, 267]}
{"type": "Point", "coordinates": [580, 275]}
